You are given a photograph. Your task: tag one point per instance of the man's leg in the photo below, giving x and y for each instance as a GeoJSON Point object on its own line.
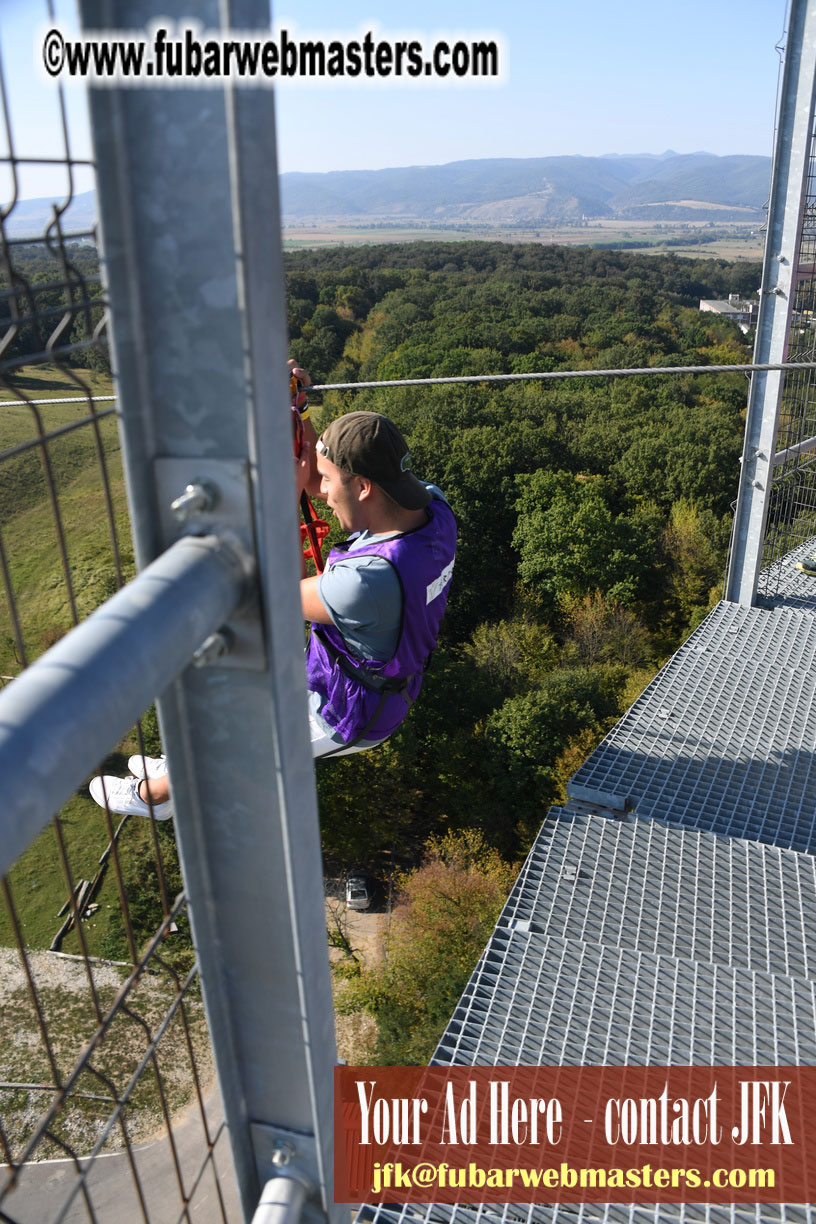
{"type": "Point", "coordinates": [157, 788]}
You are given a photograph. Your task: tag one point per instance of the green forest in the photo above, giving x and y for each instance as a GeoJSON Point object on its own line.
{"type": "Point", "coordinates": [594, 514]}
{"type": "Point", "coordinates": [594, 518]}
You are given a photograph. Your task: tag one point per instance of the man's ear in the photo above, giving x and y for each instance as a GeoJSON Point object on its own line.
{"type": "Point", "coordinates": [366, 488]}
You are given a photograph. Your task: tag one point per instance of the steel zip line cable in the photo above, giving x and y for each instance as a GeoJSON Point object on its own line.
{"type": "Point", "coordinates": [539, 376]}
{"type": "Point", "coordinates": [553, 374]}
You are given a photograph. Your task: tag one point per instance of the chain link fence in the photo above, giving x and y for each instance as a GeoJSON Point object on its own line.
{"type": "Point", "coordinates": [791, 521]}
{"type": "Point", "coordinates": [104, 1048]}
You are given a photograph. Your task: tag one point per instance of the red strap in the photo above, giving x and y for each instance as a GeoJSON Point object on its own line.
{"type": "Point", "coordinates": [298, 433]}
{"type": "Point", "coordinates": [313, 533]}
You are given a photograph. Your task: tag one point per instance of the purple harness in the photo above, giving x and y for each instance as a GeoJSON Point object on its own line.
{"type": "Point", "coordinates": [366, 699]}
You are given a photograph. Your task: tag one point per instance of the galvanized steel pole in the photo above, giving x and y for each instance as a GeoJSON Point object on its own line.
{"type": "Point", "coordinates": [188, 201]}
{"type": "Point", "coordinates": [790, 167]}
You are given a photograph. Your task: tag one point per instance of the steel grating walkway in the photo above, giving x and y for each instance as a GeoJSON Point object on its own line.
{"type": "Point", "coordinates": [633, 942]}
{"type": "Point", "coordinates": [667, 914]}
{"type": "Point", "coordinates": [602, 956]}
{"type": "Point", "coordinates": [653, 888]}
{"type": "Point", "coordinates": [583, 1213]}
{"type": "Point", "coordinates": [537, 1000]}
{"type": "Point", "coordinates": [723, 737]}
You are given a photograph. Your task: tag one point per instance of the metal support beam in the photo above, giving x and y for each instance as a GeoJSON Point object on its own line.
{"type": "Point", "coordinates": [788, 181]}
{"type": "Point", "coordinates": [61, 715]}
{"type": "Point", "coordinates": [188, 201]}
{"type": "Point", "coordinates": [790, 452]}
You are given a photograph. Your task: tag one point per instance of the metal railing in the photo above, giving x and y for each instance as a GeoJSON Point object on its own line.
{"type": "Point", "coordinates": [774, 424]}
{"type": "Point", "coordinates": [792, 509]}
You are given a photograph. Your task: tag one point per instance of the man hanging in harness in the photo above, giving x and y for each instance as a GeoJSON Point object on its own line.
{"type": "Point", "coordinates": [375, 611]}
{"type": "Point", "coordinates": [377, 608]}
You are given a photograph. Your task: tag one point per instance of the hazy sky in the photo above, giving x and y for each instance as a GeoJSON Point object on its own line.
{"type": "Point", "coordinates": [580, 78]}
{"type": "Point", "coordinates": [591, 77]}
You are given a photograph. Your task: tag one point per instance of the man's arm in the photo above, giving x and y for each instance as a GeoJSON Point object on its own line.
{"type": "Point", "coordinates": [313, 607]}
{"type": "Point", "coordinates": [307, 475]}
{"type": "Point", "coordinates": [312, 483]}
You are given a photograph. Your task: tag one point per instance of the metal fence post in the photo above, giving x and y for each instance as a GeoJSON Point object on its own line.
{"type": "Point", "coordinates": [187, 186]}
{"type": "Point", "coordinates": [790, 167]}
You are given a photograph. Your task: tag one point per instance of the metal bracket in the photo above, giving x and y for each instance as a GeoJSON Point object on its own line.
{"type": "Point", "coordinates": [225, 511]}
{"type": "Point", "coordinates": [591, 801]}
{"type": "Point", "coordinates": [282, 1152]}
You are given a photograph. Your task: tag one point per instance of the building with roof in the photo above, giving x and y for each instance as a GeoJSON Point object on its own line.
{"type": "Point", "coordinates": [736, 309]}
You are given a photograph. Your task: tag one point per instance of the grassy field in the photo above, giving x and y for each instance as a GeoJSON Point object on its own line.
{"type": "Point", "coordinates": [38, 491]}
{"type": "Point", "coordinates": [45, 380]}
{"type": "Point", "coordinates": [73, 466]}
{"type": "Point", "coordinates": [38, 886]}
{"type": "Point", "coordinates": [45, 607]}
{"type": "Point", "coordinates": [732, 240]}
{"type": "Point", "coordinates": [296, 239]}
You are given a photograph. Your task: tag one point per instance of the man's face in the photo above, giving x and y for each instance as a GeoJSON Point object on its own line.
{"type": "Point", "coordinates": [341, 493]}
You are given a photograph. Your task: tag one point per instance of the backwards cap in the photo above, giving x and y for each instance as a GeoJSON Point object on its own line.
{"type": "Point", "coordinates": [369, 444]}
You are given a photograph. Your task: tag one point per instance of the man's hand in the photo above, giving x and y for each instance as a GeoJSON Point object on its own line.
{"type": "Point", "coordinates": [298, 372]}
{"type": "Point", "coordinates": [306, 477]}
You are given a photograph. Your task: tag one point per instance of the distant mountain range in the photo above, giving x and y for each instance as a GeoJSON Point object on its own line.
{"type": "Point", "coordinates": [523, 191]}
{"type": "Point", "coordinates": [500, 191]}
{"type": "Point", "coordinates": [30, 218]}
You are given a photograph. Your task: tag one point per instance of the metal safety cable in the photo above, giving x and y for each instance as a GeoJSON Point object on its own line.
{"type": "Point", "coordinates": [555, 374]}
{"type": "Point", "coordinates": [539, 376]}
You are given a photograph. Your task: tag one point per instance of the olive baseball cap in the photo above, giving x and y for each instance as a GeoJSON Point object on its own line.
{"type": "Point", "coordinates": [369, 444]}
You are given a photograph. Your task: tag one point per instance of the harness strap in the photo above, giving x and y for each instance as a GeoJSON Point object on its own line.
{"type": "Point", "coordinates": [386, 686]}
{"type": "Point", "coordinates": [380, 684]}
{"type": "Point", "coordinates": [353, 743]}
{"type": "Point", "coordinates": [313, 530]}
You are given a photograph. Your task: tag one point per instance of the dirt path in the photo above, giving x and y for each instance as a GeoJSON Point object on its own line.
{"type": "Point", "coordinates": [356, 1030]}
{"type": "Point", "coordinates": [363, 929]}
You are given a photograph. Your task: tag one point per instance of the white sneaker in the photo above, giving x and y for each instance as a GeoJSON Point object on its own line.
{"type": "Point", "coordinates": [147, 767]}
{"type": "Point", "coordinates": [122, 795]}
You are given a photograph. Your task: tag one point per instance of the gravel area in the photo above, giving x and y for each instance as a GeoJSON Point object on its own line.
{"type": "Point", "coordinates": [54, 972]}
{"type": "Point", "coordinates": [65, 1000]}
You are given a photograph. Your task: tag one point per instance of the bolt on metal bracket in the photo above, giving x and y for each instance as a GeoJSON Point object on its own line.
{"type": "Point", "coordinates": [197, 498]}
{"type": "Point", "coordinates": [214, 647]}
{"type": "Point", "coordinates": [213, 497]}
{"type": "Point", "coordinates": [282, 1153]}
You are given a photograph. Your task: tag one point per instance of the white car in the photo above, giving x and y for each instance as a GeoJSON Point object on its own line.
{"type": "Point", "coordinates": [358, 893]}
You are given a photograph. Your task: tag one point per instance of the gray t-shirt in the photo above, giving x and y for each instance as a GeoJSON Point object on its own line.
{"type": "Point", "coordinates": [363, 597]}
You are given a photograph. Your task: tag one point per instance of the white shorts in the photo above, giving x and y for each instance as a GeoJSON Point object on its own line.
{"type": "Point", "coordinates": [325, 745]}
